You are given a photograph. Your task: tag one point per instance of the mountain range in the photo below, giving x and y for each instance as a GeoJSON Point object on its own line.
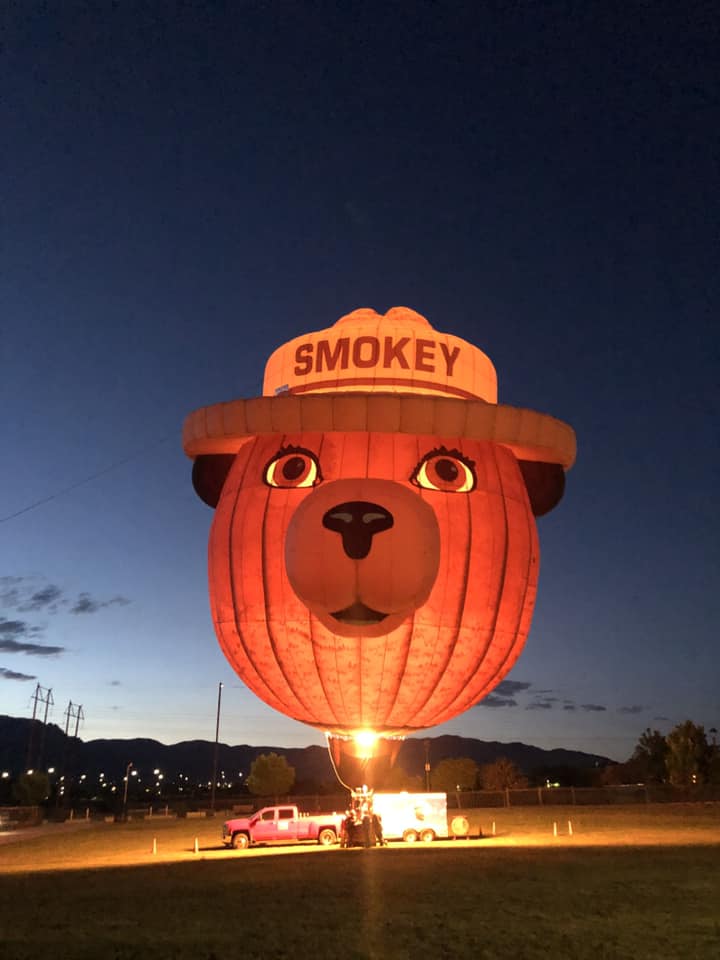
{"type": "Point", "coordinates": [25, 743]}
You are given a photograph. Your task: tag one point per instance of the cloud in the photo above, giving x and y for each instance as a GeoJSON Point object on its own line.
{"type": "Point", "coordinates": [13, 629]}
{"type": "Point", "coordinates": [24, 595]}
{"type": "Point", "coordinates": [634, 709]}
{"type": "Point", "coordinates": [87, 604]}
{"type": "Point", "coordinates": [492, 700]}
{"type": "Point", "coordinates": [592, 707]}
{"type": "Point", "coordinates": [9, 591]}
{"type": "Point", "coordinates": [508, 688]}
{"type": "Point", "coordinates": [10, 630]}
{"type": "Point", "coordinates": [569, 706]}
{"type": "Point", "coordinates": [114, 683]}
{"type": "Point", "coordinates": [32, 649]}
{"type": "Point", "coordinates": [47, 598]}
{"type": "Point", "coordinates": [13, 675]}
{"type": "Point", "coordinates": [539, 705]}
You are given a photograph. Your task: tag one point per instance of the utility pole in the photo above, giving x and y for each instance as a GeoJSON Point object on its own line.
{"type": "Point", "coordinates": [125, 791]}
{"type": "Point", "coordinates": [215, 751]}
{"type": "Point", "coordinates": [49, 702]}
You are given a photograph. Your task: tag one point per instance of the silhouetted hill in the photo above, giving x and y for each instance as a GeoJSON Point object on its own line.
{"type": "Point", "coordinates": [194, 758]}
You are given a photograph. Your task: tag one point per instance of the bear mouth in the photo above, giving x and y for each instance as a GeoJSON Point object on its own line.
{"type": "Point", "coordinates": [358, 615]}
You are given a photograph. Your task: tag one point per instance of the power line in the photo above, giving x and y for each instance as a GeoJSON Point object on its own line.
{"type": "Point", "coordinates": [88, 479]}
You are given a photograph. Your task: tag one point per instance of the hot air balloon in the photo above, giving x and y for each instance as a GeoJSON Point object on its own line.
{"type": "Point", "coordinates": [373, 558]}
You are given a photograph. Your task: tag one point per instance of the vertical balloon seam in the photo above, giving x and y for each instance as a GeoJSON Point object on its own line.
{"type": "Point", "coordinates": [417, 704]}
{"type": "Point", "coordinates": [265, 568]}
{"type": "Point", "coordinates": [359, 640]}
{"type": "Point", "coordinates": [391, 697]}
{"type": "Point", "coordinates": [451, 648]}
{"type": "Point", "coordinates": [438, 717]}
{"type": "Point", "coordinates": [308, 616]}
{"type": "Point", "coordinates": [377, 720]}
{"type": "Point", "coordinates": [517, 642]}
{"type": "Point", "coordinates": [272, 685]}
{"type": "Point", "coordinates": [259, 681]}
{"type": "Point", "coordinates": [411, 634]}
{"type": "Point", "coordinates": [332, 702]}
{"type": "Point", "coordinates": [270, 586]}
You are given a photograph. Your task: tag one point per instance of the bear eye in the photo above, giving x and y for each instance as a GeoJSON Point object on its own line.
{"type": "Point", "coordinates": [444, 470]}
{"type": "Point", "coordinates": [292, 468]}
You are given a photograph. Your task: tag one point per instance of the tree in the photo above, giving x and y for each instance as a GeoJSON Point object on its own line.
{"type": "Point", "coordinates": [459, 773]}
{"type": "Point", "coordinates": [31, 789]}
{"type": "Point", "coordinates": [270, 775]}
{"type": "Point", "coordinates": [503, 774]}
{"type": "Point", "coordinates": [397, 779]}
{"type": "Point", "coordinates": [688, 755]}
{"type": "Point", "coordinates": [649, 758]}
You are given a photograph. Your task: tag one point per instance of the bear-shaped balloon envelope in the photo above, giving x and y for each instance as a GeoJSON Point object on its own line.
{"type": "Point", "coordinates": [373, 558]}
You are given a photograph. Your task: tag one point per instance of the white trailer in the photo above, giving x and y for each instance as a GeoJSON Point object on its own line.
{"type": "Point", "coordinates": [412, 816]}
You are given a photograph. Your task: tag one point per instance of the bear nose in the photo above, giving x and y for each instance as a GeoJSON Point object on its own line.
{"type": "Point", "coordinates": [357, 522]}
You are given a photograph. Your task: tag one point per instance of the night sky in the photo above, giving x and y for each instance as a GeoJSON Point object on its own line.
{"type": "Point", "coordinates": [186, 187]}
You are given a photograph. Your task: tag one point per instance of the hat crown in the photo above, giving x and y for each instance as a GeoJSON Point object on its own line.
{"type": "Point", "coordinates": [395, 315]}
{"type": "Point", "coordinates": [368, 352]}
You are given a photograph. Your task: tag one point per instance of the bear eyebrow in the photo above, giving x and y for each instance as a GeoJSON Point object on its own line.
{"type": "Point", "coordinates": [293, 448]}
{"type": "Point", "coordinates": [444, 452]}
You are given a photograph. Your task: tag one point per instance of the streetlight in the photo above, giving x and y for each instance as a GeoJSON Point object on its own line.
{"type": "Point", "coordinates": [125, 791]}
{"type": "Point", "coordinates": [215, 752]}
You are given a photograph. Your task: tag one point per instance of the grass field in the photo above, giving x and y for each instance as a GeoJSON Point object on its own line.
{"type": "Point", "coordinates": [629, 883]}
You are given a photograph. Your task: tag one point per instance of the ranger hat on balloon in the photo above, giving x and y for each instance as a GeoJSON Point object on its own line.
{"type": "Point", "coordinates": [391, 373]}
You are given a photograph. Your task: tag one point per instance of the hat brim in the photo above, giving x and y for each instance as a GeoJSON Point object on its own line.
{"type": "Point", "coordinates": [223, 427]}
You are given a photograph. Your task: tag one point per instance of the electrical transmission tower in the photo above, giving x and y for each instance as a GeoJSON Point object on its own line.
{"type": "Point", "coordinates": [41, 695]}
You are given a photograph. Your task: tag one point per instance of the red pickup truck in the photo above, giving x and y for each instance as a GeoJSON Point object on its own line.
{"type": "Point", "coordinates": [282, 824]}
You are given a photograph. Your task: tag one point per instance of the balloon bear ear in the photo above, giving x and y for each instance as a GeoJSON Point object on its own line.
{"type": "Point", "coordinates": [209, 473]}
{"type": "Point", "coordinates": [545, 484]}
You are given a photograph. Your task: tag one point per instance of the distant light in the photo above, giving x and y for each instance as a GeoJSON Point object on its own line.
{"type": "Point", "coordinates": [5, 774]}
{"type": "Point", "coordinates": [51, 769]}
{"type": "Point", "coordinates": [156, 771]}
{"type": "Point", "coordinates": [30, 772]}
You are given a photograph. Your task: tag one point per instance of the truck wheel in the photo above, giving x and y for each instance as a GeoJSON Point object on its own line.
{"type": "Point", "coordinates": [327, 837]}
{"type": "Point", "coordinates": [240, 841]}
{"type": "Point", "coordinates": [427, 836]}
{"type": "Point", "coordinates": [410, 836]}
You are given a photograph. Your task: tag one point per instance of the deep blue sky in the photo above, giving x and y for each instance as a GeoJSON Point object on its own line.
{"type": "Point", "coordinates": [187, 187]}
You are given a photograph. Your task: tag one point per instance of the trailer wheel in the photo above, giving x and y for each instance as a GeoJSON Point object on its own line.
{"type": "Point", "coordinates": [410, 836]}
{"type": "Point", "coordinates": [327, 837]}
{"type": "Point", "coordinates": [240, 841]}
{"type": "Point", "coordinates": [427, 836]}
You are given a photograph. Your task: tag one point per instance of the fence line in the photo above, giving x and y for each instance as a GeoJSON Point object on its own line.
{"type": "Point", "coordinates": [243, 804]}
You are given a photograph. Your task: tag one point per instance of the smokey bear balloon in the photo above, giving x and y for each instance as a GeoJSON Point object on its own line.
{"type": "Point", "coordinates": [373, 559]}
